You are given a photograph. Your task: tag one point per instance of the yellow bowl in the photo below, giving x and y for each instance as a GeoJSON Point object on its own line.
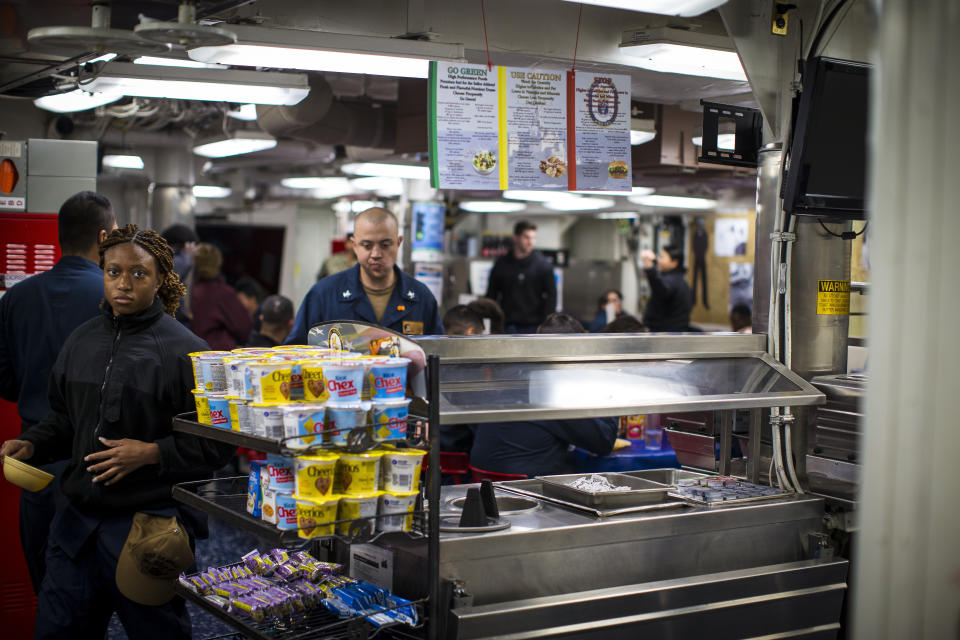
{"type": "Point", "coordinates": [25, 476]}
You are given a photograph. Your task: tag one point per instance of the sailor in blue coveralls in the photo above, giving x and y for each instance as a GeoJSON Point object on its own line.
{"type": "Point", "coordinates": [375, 290]}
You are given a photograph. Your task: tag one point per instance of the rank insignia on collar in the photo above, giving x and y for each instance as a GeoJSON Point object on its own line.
{"type": "Point", "coordinates": [410, 294]}
{"type": "Point", "coordinates": [346, 294]}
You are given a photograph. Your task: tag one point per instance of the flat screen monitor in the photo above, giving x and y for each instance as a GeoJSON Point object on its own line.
{"type": "Point", "coordinates": [828, 156]}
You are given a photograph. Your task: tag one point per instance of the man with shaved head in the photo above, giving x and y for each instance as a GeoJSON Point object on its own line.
{"type": "Point", "coordinates": [374, 290]}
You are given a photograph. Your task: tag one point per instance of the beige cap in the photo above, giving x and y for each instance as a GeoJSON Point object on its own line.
{"type": "Point", "coordinates": [157, 550]}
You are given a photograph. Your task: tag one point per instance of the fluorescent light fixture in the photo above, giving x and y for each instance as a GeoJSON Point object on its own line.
{"type": "Point", "coordinates": [322, 187]}
{"type": "Point", "coordinates": [492, 206]}
{"type": "Point", "coordinates": [237, 143]}
{"type": "Point", "coordinates": [359, 206]}
{"type": "Point", "coordinates": [176, 62]}
{"type": "Point", "coordinates": [246, 112]}
{"type": "Point", "coordinates": [76, 100]}
{"type": "Point", "coordinates": [383, 187]}
{"type": "Point", "coordinates": [677, 202]}
{"type": "Point", "coordinates": [617, 215]}
{"type": "Point", "coordinates": [535, 196]}
{"type": "Point", "coordinates": [577, 203]}
{"type": "Point", "coordinates": [210, 191]}
{"type": "Point", "coordinates": [641, 137]}
{"type": "Point", "coordinates": [318, 51]}
{"type": "Point", "coordinates": [635, 191]}
{"type": "Point", "coordinates": [258, 87]}
{"type": "Point", "coordinates": [386, 170]}
{"type": "Point", "coordinates": [686, 52]}
{"type": "Point", "coordinates": [117, 161]}
{"type": "Point", "coordinates": [725, 141]}
{"type": "Point", "coordinates": [685, 8]}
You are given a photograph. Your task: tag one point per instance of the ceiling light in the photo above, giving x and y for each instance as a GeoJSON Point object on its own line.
{"type": "Point", "coordinates": [210, 191]}
{"type": "Point", "coordinates": [635, 191]}
{"type": "Point", "coordinates": [319, 51]}
{"type": "Point", "coordinates": [259, 87]}
{"type": "Point", "coordinates": [535, 196]}
{"type": "Point", "coordinates": [617, 215]}
{"type": "Point", "coordinates": [322, 187]}
{"type": "Point", "coordinates": [685, 8]}
{"type": "Point", "coordinates": [107, 57]}
{"type": "Point", "coordinates": [123, 161]}
{"type": "Point", "coordinates": [680, 51]}
{"type": "Point", "coordinates": [359, 206]}
{"type": "Point", "coordinates": [176, 62]}
{"type": "Point", "coordinates": [385, 170]}
{"type": "Point", "coordinates": [576, 203]}
{"type": "Point", "coordinates": [677, 202]}
{"type": "Point", "coordinates": [384, 187]}
{"type": "Point", "coordinates": [492, 206]}
{"type": "Point", "coordinates": [640, 137]}
{"type": "Point", "coordinates": [235, 144]}
{"type": "Point", "coordinates": [725, 141]}
{"type": "Point", "coordinates": [76, 100]}
{"type": "Point", "coordinates": [247, 112]}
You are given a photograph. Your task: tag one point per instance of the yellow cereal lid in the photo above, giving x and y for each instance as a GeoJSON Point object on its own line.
{"type": "Point", "coordinates": [373, 453]}
{"type": "Point", "coordinates": [320, 456]}
{"type": "Point", "coordinates": [361, 496]}
{"type": "Point", "coordinates": [333, 497]}
{"type": "Point", "coordinates": [413, 453]}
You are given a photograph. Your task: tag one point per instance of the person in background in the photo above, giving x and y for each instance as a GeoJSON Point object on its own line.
{"type": "Point", "coordinates": [541, 447]}
{"type": "Point", "coordinates": [183, 240]}
{"type": "Point", "coordinates": [522, 282]}
{"type": "Point", "coordinates": [610, 298]}
{"type": "Point", "coordinates": [374, 290]}
{"type": "Point", "coordinates": [276, 320]}
{"type": "Point", "coordinates": [492, 314]}
{"type": "Point", "coordinates": [668, 308]}
{"type": "Point", "coordinates": [36, 317]}
{"type": "Point", "coordinates": [340, 261]}
{"type": "Point", "coordinates": [741, 319]}
{"type": "Point", "coordinates": [218, 315]}
{"type": "Point", "coordinates": [251, 295]}
{"type": "Point", "coordinates": [624, 324]}
{"type": "Point", "coordinates": [115, 388]}
{"type": "Point", "coordinates": [461, 321]}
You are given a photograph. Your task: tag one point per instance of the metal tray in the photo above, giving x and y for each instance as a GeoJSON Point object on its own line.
{"type": "Point", "coordinates": [641, 491]}
{"type": "Point", "coordinates": [668, 476]}
{"type": "Point", "coordinates": [533, 488]}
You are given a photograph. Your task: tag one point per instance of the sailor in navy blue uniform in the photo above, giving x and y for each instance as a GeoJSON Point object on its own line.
{"type": "Point", "coordinates": [375, 290]}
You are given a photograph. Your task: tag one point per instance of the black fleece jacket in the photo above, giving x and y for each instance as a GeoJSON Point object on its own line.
{"type": "Point", "coordinates": [124, 377]}
{"type": "Point", "coordinates": [525, 289]}
{"type": "Point", "coordinates": [671, 300]}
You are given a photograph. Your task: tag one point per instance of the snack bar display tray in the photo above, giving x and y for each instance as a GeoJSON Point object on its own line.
{"type": "Point", "coordinates": [641, 491]}
{"type": "Point", "coordinates": [534, 488]}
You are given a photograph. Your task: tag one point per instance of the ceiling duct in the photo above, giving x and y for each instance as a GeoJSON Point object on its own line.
{"type": "Point", "coordinates": [99, 37]}
{"type": "Point", "coordinates": [322, 119]}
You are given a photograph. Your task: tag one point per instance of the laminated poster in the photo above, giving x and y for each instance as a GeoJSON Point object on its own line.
{"type": "Point", "coordinates": [517, 128]}
{"type": "Point", "coordinates": [428, 222]}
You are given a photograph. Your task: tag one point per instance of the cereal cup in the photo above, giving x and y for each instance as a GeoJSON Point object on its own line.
{"type": "Point", "coordinates": [303, 425]}
{"type": "Point", "coordinates": [219, 406]}
{"type": "Point", "coordinates": [400, 470]}
{"type": "Point", "coordinates": [267, 419]}
{"type": "Point", "coordinates": [286, 510]}
{"type": "Point", "coordinates": [270, 380]}
{"type": "Point", "coordinates": [315, 475]}
{"type": "Point", "coordinates": [389, 418]}
{"type": "Point", "coordinates": [358, 473]}
{"type": "Point", "coordinates": [237, 380]}
{"type": "Point", "coordinates": [280, 473]}
{"type": "Point", "coordinates": [344, 418]}
{"type": "Point", "coordinates": [268, 508]}
{"type": "Point", "coordinates": [197, 370]}
{"type": "Point", "coordinates": [255, 490]}
{"type": "Point", "coordinates": [315, 516]}
{"type": "Point", "coordinates": [400, 506]}
{"type": "Point", "coordinates": [208, 370]}
{"type": "Point", "coordinates": [239, 418]}
{"type": "Point", "coordinates": [353, 507]}
{"type": "Point", "coordinates": [203, 406]}
{"type": "Point", "coordinates": [314, 387]}
{"type": "Point", "coordinates": [344, 380]}
{"type": "Point", "coordinates": [388, 378]}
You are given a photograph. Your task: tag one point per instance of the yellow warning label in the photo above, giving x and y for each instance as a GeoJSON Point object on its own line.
{"type": "Point", "coordinates": [833, 297]}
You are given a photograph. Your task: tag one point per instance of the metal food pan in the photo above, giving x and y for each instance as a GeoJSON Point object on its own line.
{"type": "Point", "coordinates": [730, 503]}
{"type": "Point", "coordinates": [668, 476]}
{"type": "Point", "coordinates": [641, 491]}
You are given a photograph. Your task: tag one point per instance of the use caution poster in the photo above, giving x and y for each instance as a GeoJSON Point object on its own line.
{"type": "Point", "coordinates": [517, 128]}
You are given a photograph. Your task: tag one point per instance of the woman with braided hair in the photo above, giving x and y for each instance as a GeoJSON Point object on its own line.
{"type": "Point", "coordinates": [114, 390]}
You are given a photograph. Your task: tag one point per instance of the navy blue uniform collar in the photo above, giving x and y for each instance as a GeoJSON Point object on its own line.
{"type": "Point", "coordinates": [402, 299]}
{"type": "Point", "coordinates": [78, 262]}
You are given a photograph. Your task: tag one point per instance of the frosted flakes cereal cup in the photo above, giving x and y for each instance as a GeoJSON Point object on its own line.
{"type": "Point", "coordinates": [400, 507]}
{"type": "Point", "coordinates": [203, 406]}
{"type": "Point", "coordinates": [344, 380]}
{"type": "Point", "coordinates": [267, 419]}
{"type": "Point", "coordinates": [389, 418]}
{"type": "Point", "coordinates": [280, 473]}
{"type": "Point", "coordinates": [219, 406]}
{"type": "Point", "coordinates": [358, 473]}
{"type": "Point", "coordinates": [270, 380]}
{"type": "Point", "coordinates": [400, 470]}
{"type": "Point", "coordinates": [388, 378]}
{"type": "Point", "coordinates": [315, 516]}
{"type": "Point", "coordinates": [303, 425]}
{"type": "Point", "coordinates": [286, 510]}
{"type": "Point", "coordinates": [314, 386]}
{"type": "Point", "coordinates": [315, 475]}
{"type": "Point", "coordinates": [344, 418]}
{"type": "Point", "coordinates": [353, 507]}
